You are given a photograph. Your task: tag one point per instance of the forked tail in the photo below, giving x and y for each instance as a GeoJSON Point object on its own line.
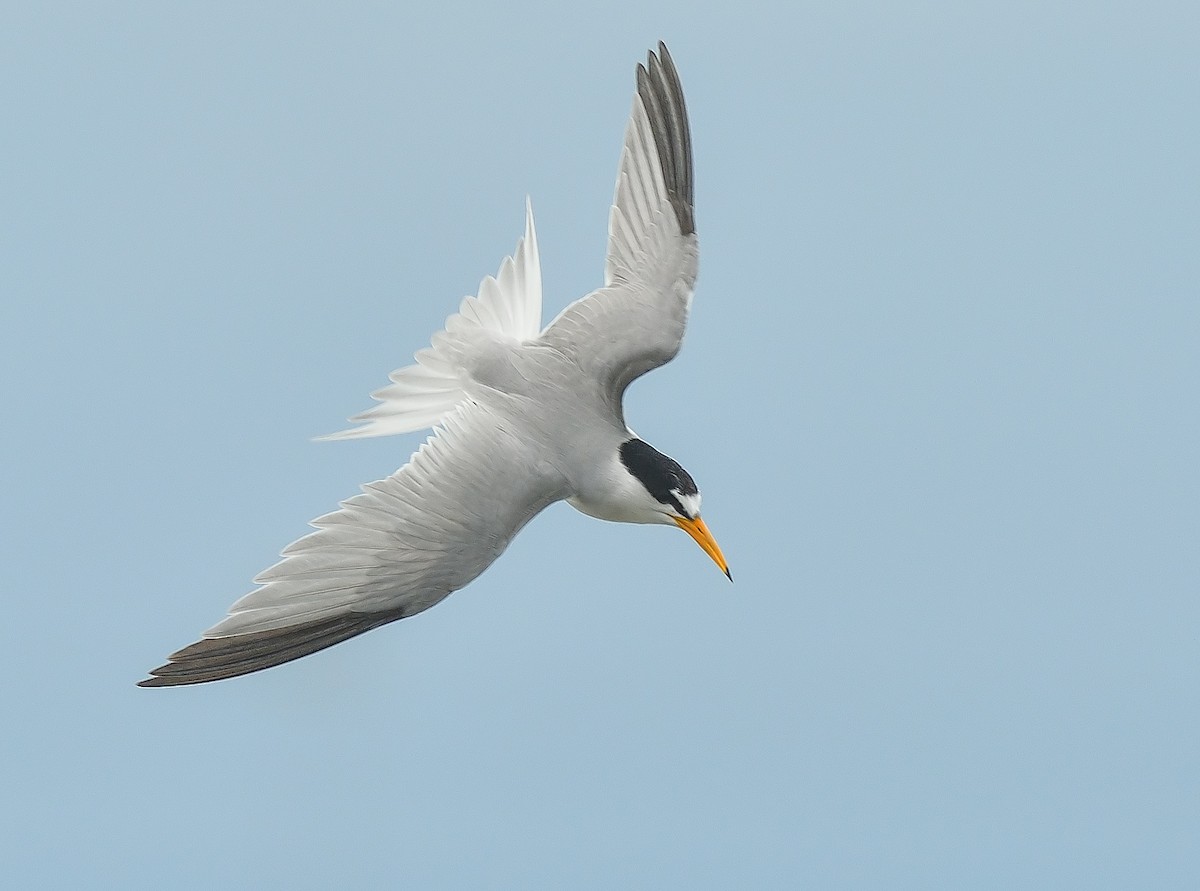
{"type": "Point", "coordinates": [508, 306]}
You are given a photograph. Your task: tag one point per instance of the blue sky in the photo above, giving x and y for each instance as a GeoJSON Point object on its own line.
{"type": "Point", "coordinates": [939, 391]}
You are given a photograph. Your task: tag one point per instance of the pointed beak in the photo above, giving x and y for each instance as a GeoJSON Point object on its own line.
{"type": "Point", "coordinates": [697, 530]}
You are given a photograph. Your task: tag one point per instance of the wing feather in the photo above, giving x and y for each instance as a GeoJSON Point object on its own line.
{"type": "Point", "coordinates": [636, 321]}
{"type": "Point", "coordinates": [399, 547]}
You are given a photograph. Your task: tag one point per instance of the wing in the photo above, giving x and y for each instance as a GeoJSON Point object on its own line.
{"type": "Point", "coordinates": [398, 548]}
{"type": "Point", "coordinates": [636, 321]}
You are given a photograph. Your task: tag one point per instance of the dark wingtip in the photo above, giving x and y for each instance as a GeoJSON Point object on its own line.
{"type": "Point", "coordinates": [662, 96]}
{"type": "Point", "coordinates": [215, 659]}
{"type": "Point", "coordinates": [728, 574]}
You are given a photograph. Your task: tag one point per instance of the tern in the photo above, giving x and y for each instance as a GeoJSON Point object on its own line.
{"type": "Point", "coordinates": [523, 417]}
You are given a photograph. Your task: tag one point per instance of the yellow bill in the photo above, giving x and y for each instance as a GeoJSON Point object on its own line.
{"type": "Point", "coordinates": [697, 530]}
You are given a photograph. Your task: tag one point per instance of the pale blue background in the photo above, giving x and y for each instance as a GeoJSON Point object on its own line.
{"type": "Point", "coordinates": [940, 392]}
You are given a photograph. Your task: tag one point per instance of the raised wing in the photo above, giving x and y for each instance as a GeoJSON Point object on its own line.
{"type": "Point", "coordinates": [636, 321]}
{"type": "Point", "coordinates": [401, 546]}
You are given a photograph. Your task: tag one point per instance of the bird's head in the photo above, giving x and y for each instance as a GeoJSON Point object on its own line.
{"type": "Point", "coordinates": [668, 494]}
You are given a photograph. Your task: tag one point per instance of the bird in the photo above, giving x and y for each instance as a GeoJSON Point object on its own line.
{"type": "Point", "coordinates": [522, 417]}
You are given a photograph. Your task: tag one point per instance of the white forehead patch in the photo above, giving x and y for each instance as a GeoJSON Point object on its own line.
{"type": "Point", "coordinates": [691, 503]}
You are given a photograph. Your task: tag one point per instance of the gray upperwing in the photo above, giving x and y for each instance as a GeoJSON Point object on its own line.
{"type": "Point", "coordinates": [398, 548]}
{"type": "Point", "coordinates": [636, 322]}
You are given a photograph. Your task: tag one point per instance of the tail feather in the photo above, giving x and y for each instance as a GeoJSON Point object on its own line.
{"type": "Point", "coordinates": [508, 306]}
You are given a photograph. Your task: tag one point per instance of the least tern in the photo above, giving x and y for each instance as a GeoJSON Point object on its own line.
{"type": "Point", "coordinates": [522, 417]}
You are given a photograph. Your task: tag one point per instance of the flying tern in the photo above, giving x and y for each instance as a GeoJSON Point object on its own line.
{"type": "Point", "coordinates": [523, 417]}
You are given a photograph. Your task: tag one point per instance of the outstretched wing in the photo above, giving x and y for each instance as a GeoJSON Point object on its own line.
{"type": "Point", "coordinates": [398, 548]}
{"type": "Point", "coordinates": [636, 321]}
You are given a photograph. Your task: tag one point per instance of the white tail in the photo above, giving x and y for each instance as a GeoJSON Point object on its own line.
{"type": "Point", "coordinates": [509, 306]}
